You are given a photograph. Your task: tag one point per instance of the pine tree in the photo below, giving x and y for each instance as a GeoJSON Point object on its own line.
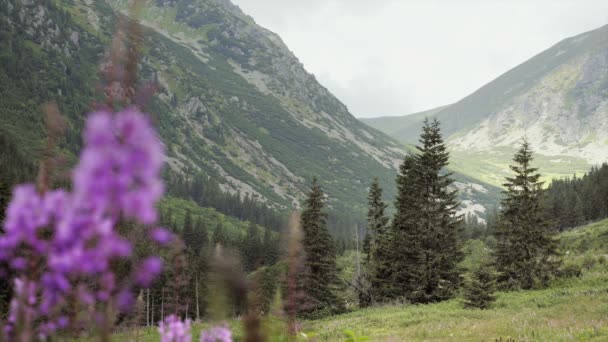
{"type": "Point", "coordinates": [322, 282]}
{"type": "Point", "coordinates": [439, 223]}
{"type": "Point", "coordinates": [479, 290]}
{"type": "Point", "coordinates": [426, 228]}
{"type": "Point", "coordinates": [378, 246]}
{"type": "Point", "coordinates": [526, 253]}
{"type": "Point", "coordinates": [407, 256]}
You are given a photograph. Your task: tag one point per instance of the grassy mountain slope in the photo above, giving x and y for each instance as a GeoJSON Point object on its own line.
{"type": "Point", "coordinates": [400, 126]}
{"type": "Point", "coordinates": [232, 102]}
{"type": "Point", "coordinates": [558, 100]}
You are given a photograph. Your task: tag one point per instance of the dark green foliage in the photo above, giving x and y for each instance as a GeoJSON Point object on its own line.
{"type": "Point", "coordinates": [270, 248]}
{"type": "Point", "coordinates": [219, 235]}
{"type": "Point", "coordinates": [426, 228]}
{"type": "Point", "coordinates": [479, 290]}
{"type": "Point", "coordinates": [188, 230]}
{"type": "Point", "coordinates": [200, 238]}
{"type": "Point", "coordinates": [526, 253]}
{"type": "Point", "coordinates": [252, 248]}
{"type": "Point", "coordinates": [206, 192]}
{"type": "Point", "coordinates": [321, 282]}
{"type": "Point", "coordinates": [407, 234]}
{"type": "Point", "coordinates": [473, 228]}
{"type": "Point", "coordinates": [378, 249]}
{"type": "Point", "coordinates": [572, 202]}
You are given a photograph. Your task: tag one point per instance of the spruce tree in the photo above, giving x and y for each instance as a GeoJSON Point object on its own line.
{"type": "Point", "coordinates": [378, 246]}
{"type": "Point", "coordinates": [438, 220]}
{"type": "Point", "coordinates": [526, 254]}
{"type": "Point", "coordinates": [426, 227]}
{"type": "Point", "coordinates": [322, 282]}
{"type": "Point", "coordinates": [407, 256]}
{"type": "Point", "coordinates": [479, 290]}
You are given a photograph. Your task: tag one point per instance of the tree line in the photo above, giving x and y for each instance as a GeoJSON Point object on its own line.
{"type": "Point", "coordinates": [575, 201]}
{"type": "Point", "coordinates": [414, 256]}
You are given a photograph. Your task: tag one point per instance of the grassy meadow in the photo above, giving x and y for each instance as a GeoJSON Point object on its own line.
{"type": "Point", "coordinates": [571, 309]}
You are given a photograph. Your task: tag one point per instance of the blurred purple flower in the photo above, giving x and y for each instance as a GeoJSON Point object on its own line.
{"type": "Point", "coordinates": [174, 330]}
{"type": "Point", "coordinates": [216, 334]}
{"type": "Point", "coordinates": [71, 237]}
{"type": "Point", "coordinates": [161, 236]}
{"type": "Point", "coordinates": [119, 170]}
{"type": "Point", "coordinates": [149, 270]}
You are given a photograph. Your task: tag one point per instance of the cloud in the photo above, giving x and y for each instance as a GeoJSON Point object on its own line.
{"type": "Point", "coordinates": [391, 57]}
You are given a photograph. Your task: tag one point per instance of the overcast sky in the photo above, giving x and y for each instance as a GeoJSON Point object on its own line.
{"type": "Point", "coordinates": [396, 57]}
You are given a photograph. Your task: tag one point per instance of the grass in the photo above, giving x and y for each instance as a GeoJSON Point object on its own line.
{"type": "Point", "coordinates": [573, 309]}
{"type": "Point", "coordinates": [493, 167]}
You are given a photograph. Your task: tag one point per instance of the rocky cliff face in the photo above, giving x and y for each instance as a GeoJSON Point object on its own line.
{"type": "Point", "coordinates": [564, 112]}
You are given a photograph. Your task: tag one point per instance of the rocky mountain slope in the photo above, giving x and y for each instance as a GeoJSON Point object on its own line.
{"type": "Point", "coordinates": [233, 102]}
{"type": "Point", "coordinates": [557, 99]}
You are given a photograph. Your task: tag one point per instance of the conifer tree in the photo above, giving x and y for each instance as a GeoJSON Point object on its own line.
{"type": "Point", "coordinates": [407, 256]}
{"type": "Point", "coordinates": [526, 254]}
{"type": "Point", "coordinates": [322, 282]}
{"type": "Point", "coordinates": [426, 227]}
{"type": "Point", "coordinates": [438, 220]}
{"type": "Point", "coordinates": [479, 290]}
{"type": "Point", "coordinates": [378, 246]}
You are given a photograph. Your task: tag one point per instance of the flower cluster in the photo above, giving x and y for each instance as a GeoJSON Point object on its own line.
{"type": "Point", "coordinates": [61, 244]}
{"type": "Point", "coordinates": [217, 334]}
{"type": "Point", "coordinates": [175, 330]}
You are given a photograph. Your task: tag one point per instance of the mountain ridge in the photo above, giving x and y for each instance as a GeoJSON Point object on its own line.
{"type": "Point", "coordinates": [558, 99]}
{"type": "Point", "coordinates": [233, 103]}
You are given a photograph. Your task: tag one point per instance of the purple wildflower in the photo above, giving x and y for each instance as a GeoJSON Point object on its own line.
{"type": "Point", "coordinates": [72, 236]}
{"type": "Point", "coordinates": [174, 330]}
{"type": "Point", "coordinates": [216, 334]}
{"type": "Point", "coordinates": [119, 170]}
{"type": "Point", "coordinates": [149, 270]}
{"type": "Point", "coordinates": [161, 236]}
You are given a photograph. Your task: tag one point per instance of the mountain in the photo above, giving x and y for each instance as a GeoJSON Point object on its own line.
{"type": "Point", "coordinates": [233, 102]}
{"type": "Point", "coordinates": [401, 127]}
{"type": "Point", "coordinates": [558, 100]}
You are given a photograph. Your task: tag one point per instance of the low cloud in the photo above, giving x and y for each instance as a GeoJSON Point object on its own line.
{"type": "Point", "coordinates": [390, 57]}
